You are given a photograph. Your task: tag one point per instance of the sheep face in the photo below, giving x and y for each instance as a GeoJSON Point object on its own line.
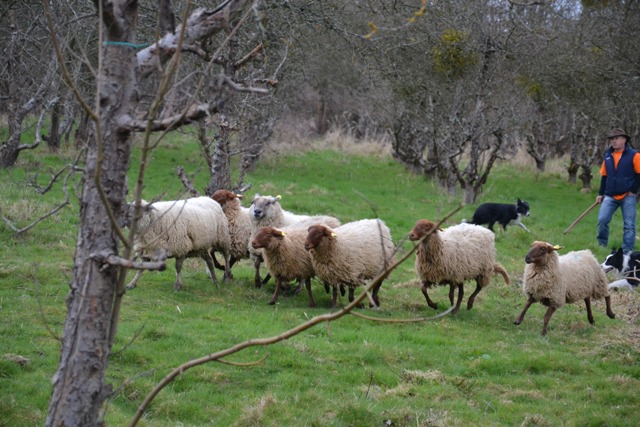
{"type": "Point", "coordinates": [316, 234]}
{"type": "Point", "coordinates": [538, 254]}
{"type": "Point", "coordinates": [262, 206]}
{"type": "Point", "coordinates": [421, 229]}
{"type": "Point", "coordinates": [224, 196]}
{"type": "Point", "coordinates": [266, 236]}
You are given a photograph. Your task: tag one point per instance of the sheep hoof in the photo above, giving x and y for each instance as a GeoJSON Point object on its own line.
{"type": "Point", "coordinates": [272, 302]}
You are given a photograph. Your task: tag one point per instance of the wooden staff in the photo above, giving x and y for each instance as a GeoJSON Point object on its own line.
{"type": "Point", "coordinates": [580, 217]}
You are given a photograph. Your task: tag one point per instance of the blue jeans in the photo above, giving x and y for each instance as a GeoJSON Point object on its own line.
{"type": "Point", "coordinates": [628, 208]}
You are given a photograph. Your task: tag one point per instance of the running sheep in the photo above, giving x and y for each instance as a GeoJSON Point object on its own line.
{"type": "Point", "coordinates": [350, 254]}
{"type": "Point", "coordinates": [285, 257]}
{"type": "Point", "coordinates": [265, 211]}
{"type": "Point", "coordinates": [184, 229]}
{"type": "Point", "coordinates": [239, 225]}
{"type": "Point", "coordinates": [454, 255]}
{"type": "Point", "coordinates": [554, 280]}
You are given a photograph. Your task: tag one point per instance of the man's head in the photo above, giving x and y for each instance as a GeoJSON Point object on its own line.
{"type": "Point", "coordinates": [618, 139]}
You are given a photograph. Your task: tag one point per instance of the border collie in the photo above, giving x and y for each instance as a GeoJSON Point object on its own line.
{"type": "Point", "coordinates": [504, 214]}
{"type": "Point", "coordinates": [628, 267]}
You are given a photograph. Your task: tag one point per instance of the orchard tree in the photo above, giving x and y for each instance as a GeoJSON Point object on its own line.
{"type": "Point", "coordinates": [103, 251]}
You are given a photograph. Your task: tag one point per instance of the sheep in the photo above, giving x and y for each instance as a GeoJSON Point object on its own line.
{"type": "Point", "coordinates": [350, 254]}
{"type": "Point", "coordinates": [285, 257]}
{"type": "Point", "coordinates": [184, 229]}
{"type": "Point", "coordinates": [554, 280]}
{"type": "Point", "coordinates": [239, 225]}
{"type": "Point", "coordinates": [266, 211]}
{"type": "Point", "coordinates": [454, 255]}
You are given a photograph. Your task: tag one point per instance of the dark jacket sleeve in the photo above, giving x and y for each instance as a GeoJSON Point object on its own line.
{"type": "Point", "coordinates": [603, 184]}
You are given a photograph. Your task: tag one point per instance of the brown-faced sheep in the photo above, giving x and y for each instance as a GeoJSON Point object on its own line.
{"type": "Point", "coordinates": [350, 254]}
{"type": "Point", "coordinates": [265, 211]}
{"type": "Point", "coordinates": [285, 257]}
{"type": "Point", "coordinates": [184, 229]}
{"type": "Point", "coordinates": [239, 225]}
{"type": "Point", "coordinates": [454, 255]}
{"type": "Point", "coordinates": [554, 280]}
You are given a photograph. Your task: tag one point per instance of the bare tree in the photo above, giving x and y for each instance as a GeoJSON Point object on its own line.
{"type": "Point", "coordinates": [102, 249]}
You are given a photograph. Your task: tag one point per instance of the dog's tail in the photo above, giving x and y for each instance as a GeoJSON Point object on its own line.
{"type": "Point", "coordinates": [498, 268]}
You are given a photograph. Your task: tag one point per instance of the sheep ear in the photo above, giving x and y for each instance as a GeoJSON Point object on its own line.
{"type": "Point", "coordinates": [334, 235]}
{"type": "Point", "coordinates": [283, 234]}
{"type": "Point", "coordinates": [557, 247]}
{"type": "Point", "coordinates": [278, 197]}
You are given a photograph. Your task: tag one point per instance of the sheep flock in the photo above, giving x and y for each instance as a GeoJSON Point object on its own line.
{"type": "Point", "coordinates": [296, 248]}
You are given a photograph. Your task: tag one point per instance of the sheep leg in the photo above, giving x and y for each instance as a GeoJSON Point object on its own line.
{"type": "Point", "coordinates": [307, 283]}
{"type": "Point", "coordinates": [610, 313]}
{"type": "Point", "coordinates": [256, 264]}
{"type": "Point", "coordinates": [425, 292]}
{"type": "Point", "coordinates": [342, 291]}
{"type": "Point", "coordinates": [472, 298]}
{"type": "Point", "coordinates": [297, 290]}
{"type": "Point", "coordinates": [132, 284]}
{"type": "Point", "coordinates": [274, 297]}
{"type": "Point", "coordinates": [216, 263]}
{"type": "Point", "coordinates": [207, 259]}
{"type": "Point", "coordinates": [587, 303]}
{"type": "Point", "coordinates": [520, 318]}
{"type": "Point", "coordinates": [227, 268]}
{"type": "Point", "coordinates": [375, 296]}
{"type": "Point", "coordinates": [178, 284]}
{"type": "Point", "coordinates": [547, 317]}
{"type": "Point", "coordinates": [352, 291]}
{"type": "Point", "coordinates": [460, 295]}
{"type": "Point", "coordinates": [452, 292]}
{"type": "Point", "coordinates": [266, 279]}
{"type": "Point", "coordinates": [327, 288]}
{"type": "Point", "coordinates": [334, 299]}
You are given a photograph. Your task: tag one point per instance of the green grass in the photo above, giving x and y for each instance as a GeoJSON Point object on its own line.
{"type": "Point", "coordinates": [474, 368]}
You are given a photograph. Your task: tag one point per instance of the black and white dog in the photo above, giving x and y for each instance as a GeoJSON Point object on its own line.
{"type": "Point", "coordinates": [628, 267]}
{"type": "Point", "coordinates": [504, 214]}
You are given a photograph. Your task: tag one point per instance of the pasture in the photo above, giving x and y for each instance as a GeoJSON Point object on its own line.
{"type": "Point", "coordinates": [472, 368]}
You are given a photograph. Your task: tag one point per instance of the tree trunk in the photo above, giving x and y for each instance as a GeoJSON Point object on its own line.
{"type": "Point", "coordinates": [53, 139]}
{"type": "Point", "coordinates": [79, 388]}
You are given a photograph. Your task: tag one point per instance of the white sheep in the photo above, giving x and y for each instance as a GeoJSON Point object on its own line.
{"type": "Point", "coordinates": [350, 254]}
{"type": "Point", "coordinates": [184, 229]}
{"type": "Point", "coordinates": [239, 225]}
{"type": "Point", "coordinates": [454, 255]}
{"type": "Point", "coordinates": [285, 257]}
{"type": "Point", "coordinates": [554, 280]}
{"type": "Point", "coordinates": [265, 211]}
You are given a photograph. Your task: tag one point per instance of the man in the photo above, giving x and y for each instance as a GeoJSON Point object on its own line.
{"type": "Point", "coordinates": [619, 186]}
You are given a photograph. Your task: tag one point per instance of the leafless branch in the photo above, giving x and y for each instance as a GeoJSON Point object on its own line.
{"type": "Point", "coordinates": [55, 210]}
{"type": "Point", "coordinates": [110, 259]}
{"type": "Point", "coordinates": [186, 182]}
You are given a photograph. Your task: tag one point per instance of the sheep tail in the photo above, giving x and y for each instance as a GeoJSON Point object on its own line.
{"type": "Point", "coordinates": [498, 268]}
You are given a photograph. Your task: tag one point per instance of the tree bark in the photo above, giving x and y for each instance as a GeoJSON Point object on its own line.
{"type": "Point", "coordinates": [79, 388]}
{"type": "Point", "coordinates": [97, 287]}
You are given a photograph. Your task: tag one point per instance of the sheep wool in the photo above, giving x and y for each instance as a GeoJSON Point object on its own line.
{"type": "Point", "coordinates": [350, 254]}
{"type": "Point", "coordinates": [265, 211]}
{"type": "Point", "coordinates": [184, 229]}
{"type": "Point", "coordinates": [454, 255]}
{"type": "Point", "coordinates": [239, 223]}
{"type": "Point", "coordinates": [555, 280]}
{"type": "Point", "coordinates": [285, 257]}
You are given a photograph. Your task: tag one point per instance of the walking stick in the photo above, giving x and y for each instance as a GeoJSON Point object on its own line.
{"type": "Point", "coordinates": [580, 217]}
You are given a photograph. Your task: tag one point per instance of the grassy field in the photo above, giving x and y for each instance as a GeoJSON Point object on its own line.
{"type": "Point", "coordinates": [473, 368]}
